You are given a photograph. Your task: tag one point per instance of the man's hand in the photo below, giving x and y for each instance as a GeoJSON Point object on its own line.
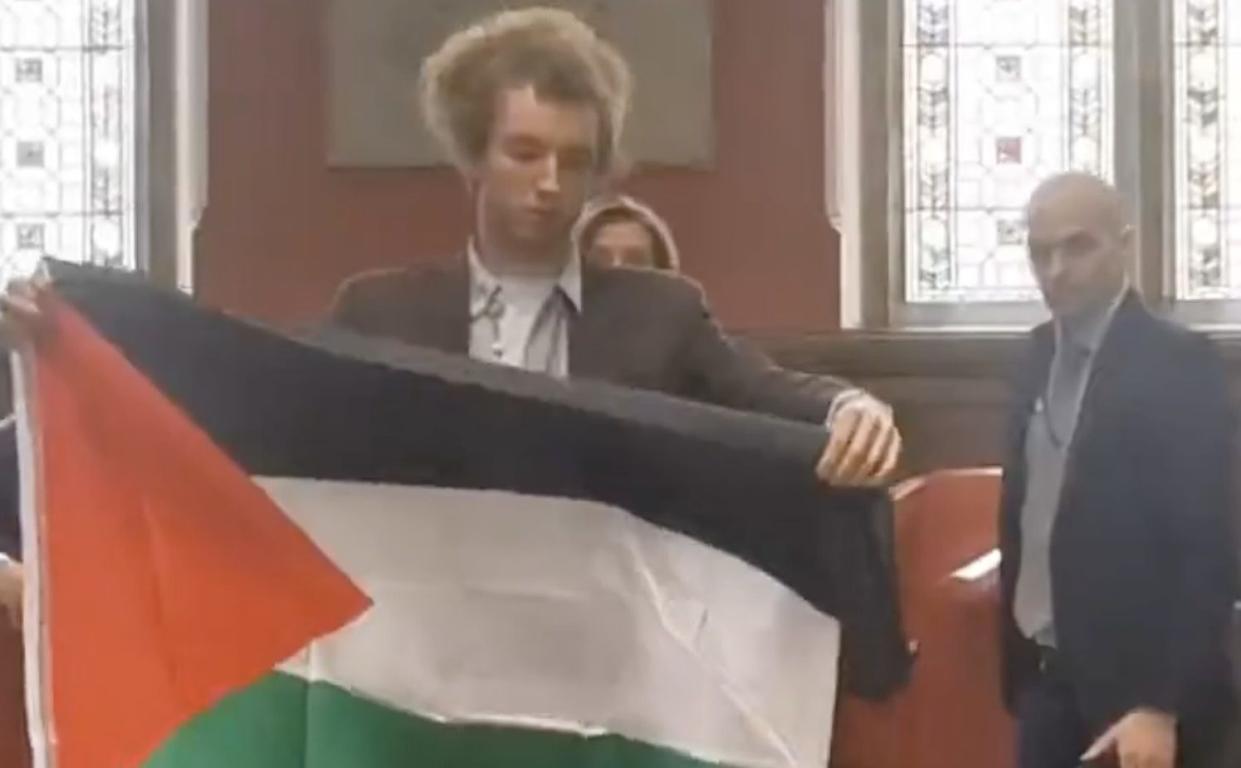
{"type": "Point", "coordinates": [11, 591]}
{"type": "Point", "coordinates": [864, 446]}
{"type": "Point", "coordinates": [20, 313]}
{"type": "Point", "coordinates": [1143, 738]}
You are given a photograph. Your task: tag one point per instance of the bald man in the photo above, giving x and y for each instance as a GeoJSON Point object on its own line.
{"type": "Point", "coordinates": [1118, 567]}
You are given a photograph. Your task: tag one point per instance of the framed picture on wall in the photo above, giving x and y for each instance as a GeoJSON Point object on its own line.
{"type": "Point", "coordinates": [375, 49]}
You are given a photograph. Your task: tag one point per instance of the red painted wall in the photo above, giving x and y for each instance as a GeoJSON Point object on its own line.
{"type": "Point", "coordinates": [282, 229]}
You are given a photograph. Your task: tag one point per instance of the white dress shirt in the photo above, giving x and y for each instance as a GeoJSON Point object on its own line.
{"type": "Point", "coordinates": [523, 320]}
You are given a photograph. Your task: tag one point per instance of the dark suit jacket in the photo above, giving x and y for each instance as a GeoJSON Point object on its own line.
{"type": "Point", "coordinates": [1142, 559]}
{"type": "Point", "coordinates": [640, 328]}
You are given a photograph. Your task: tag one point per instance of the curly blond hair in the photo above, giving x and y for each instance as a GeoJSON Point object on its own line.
{"type": "Point", "coordinates": [550, 49]}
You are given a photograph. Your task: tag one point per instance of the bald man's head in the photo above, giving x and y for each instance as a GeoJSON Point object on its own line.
{"type": "Point", "coordinates": [1080, 241]}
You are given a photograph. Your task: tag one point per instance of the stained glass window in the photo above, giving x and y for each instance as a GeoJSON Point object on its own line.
{"type": "Point", "coordinates": [1208, 167]}
{"type": "Point", "coordinates": [67, 132]}
{"type": "Point", "coordinates": [998, 94]}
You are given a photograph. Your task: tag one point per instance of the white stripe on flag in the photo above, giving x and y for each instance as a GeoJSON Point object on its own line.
{"type": "Point", "coordinates": [554, 613]}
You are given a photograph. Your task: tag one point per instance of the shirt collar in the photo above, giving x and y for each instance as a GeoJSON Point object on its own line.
{"type": "Point", "coordinates": [1087, 331]}
{"type": "Point", "coordinates": [485, 286]}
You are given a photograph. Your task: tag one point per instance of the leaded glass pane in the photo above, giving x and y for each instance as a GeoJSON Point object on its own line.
{"type": "Point", "coordinates": [998, 95]}
{"type": "Point", "coordinates": [1207, 34]}
{"type": "Point", "coordinates": [67, 132]}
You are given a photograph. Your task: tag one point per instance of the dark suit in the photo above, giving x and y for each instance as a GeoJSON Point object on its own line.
{"type": "Point", "coordinates": [641, 328]}
{"type": "Point", "coordinates": [1142, 562]}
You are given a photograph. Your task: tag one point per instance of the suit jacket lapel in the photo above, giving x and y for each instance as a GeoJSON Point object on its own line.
{"type": "Point", "coordinates": [1112, 353]}
{"type": "Point", "coordinates": [1108, 363]}
{"type": "Point", "coordinates": [441, 310]}
{"type": "Point", "coordinates": [1032, 385]}
{"type": "Point", "coordinates": [590, 348]}
{"type": "Point", "coordinates": [1028, 387]}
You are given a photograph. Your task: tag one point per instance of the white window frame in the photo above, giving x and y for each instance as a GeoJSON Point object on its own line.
{"type": "Point", "coordinates": [174, 195]}
{"type": "Point", "coordinates": [865, 179]}
{"type": "Point", "coordinates": [169, 136]}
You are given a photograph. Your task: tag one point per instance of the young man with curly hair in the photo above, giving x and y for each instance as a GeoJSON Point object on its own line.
{"type": "Point", "coordinates": [531, 105]}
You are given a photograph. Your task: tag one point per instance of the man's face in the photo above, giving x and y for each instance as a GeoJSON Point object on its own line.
{"type": "Point", "coordinates": [538, 170]}
{"type": "Point", "coordinates": [1078, 258]}
{"type": "Point", "coordinates": [623, 244]}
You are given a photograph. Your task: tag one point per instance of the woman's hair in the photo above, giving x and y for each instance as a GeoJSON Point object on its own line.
{"type": "Point", "coordinates": [552, 50]}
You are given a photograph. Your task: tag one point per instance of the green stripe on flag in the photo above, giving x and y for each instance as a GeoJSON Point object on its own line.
{"type": "Point", "coordinates": [286, 722]}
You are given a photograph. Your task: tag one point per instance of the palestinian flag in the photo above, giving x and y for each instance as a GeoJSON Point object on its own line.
{"type": "Point", "coordinates": [249, 550]}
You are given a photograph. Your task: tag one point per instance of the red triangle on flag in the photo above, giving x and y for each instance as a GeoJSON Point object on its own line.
{"type": "Point", "coordinates": [168, 578]}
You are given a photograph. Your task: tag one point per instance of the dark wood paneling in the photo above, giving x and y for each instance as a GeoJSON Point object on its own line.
{"type": "Point", "coordinates": [950, 392]}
